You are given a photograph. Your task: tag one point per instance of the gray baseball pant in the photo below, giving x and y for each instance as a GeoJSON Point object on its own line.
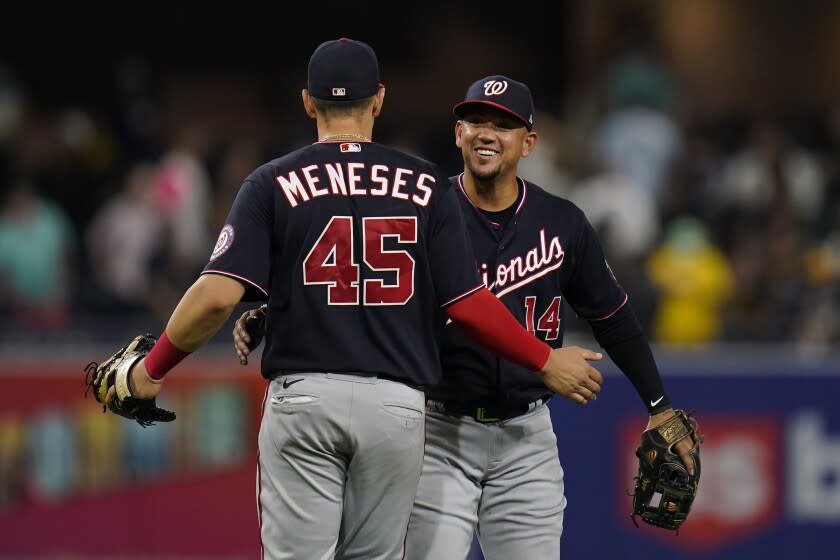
{"type": "Point", "coordinates": [340, 459]}
{"type": "Point", "coordinates": [502, 480]}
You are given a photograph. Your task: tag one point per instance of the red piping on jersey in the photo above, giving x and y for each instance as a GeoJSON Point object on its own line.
{"type": "Point", "coordinates": [480, 213]}
{"type": "Point", "coordinates": [462, 296]}
{"type": "Point", "coordinates": [524, 195]}
{"type": "Point", "coordinates": [225, 273]}
{"type": "Point", "coordinates": [626, 297]}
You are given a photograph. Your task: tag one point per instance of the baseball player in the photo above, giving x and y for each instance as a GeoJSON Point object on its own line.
{"type": "Point", "coordinates": [491, 462]}
{"type": "Point", "coordinates": [361, 252]}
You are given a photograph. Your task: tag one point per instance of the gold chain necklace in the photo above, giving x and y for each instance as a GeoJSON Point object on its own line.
{"type": "Point", "coordinates": [344, 136]}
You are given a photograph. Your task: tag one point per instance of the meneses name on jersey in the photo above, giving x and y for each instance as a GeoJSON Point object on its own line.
{"type": "Point", "coordinates": [355, 179]}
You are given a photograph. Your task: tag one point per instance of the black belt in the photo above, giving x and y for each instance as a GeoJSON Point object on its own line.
{"type": "Point", "coordinates": [486, 413]}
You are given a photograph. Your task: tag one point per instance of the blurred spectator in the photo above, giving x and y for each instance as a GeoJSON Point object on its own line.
{"type": "Point", "coordinates": [821, 317]}
{"type": "Point", "coordinates": [767, 302]}
{"type": "Point", "coordinates": [768, 200]}
{"type": "Point", "coordinates": [695, 281]}
{"type": "Point", "coordinates": [237, 162]}
{"type": "Point", "coordinates": [554, 164]}
{"type": "Point", "coordinates": [829, 218]}
{"type": "Point", "coordinates": [137, 117]}
{"type": "Point", "coordinates": [184, 195]}
{"type": "Point", "coordinates": [691, 178]}
{"type": "Point", "coordinates": [11, 105]}
{"type": "Point", "coordinates": [627, 221]}
{"type": "Point", "coordinates": [70, 156]}
{"type": "Point", "coordinates": [637, 135]}
{"type": "Point", "coordinates": [124, 238]}
{"type": "Point", "coordinates": [771, 175]}
{"type": "Point", "coordinates": [625, 217]}
{"type": "Point", "coordinates": [820, 328]}
{"type": "Point", "coordinates": [746, 312]}
{"type": "Point", "coordinates": [36, 256]}
{"type": "Point", "coordinates": [785, 277]}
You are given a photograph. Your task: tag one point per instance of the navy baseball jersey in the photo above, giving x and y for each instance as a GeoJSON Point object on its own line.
{"type": "Point", "coordinates": [357, 248]}
{"type": "Point", "coordinates": [544, 256]}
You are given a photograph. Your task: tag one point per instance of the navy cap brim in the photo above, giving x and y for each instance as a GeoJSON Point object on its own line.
{"type": "Point", "coordinates": [459, 109]}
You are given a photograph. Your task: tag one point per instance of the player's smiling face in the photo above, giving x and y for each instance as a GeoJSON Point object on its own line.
{"type": "Point", "coordinates": [492, 141]}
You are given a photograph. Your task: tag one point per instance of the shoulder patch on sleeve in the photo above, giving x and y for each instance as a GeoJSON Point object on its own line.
{"type": "Point", "coordinates": [223, 243]}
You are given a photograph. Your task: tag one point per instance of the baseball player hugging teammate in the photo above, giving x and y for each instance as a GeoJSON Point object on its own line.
{"type": "Point", "coordinates": [360, 251]}
{"type": "Point", "coordinates": [491, 464]}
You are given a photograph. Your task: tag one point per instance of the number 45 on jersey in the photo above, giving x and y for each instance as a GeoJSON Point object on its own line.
{"type": "Point", "coordinates": [332, 261]}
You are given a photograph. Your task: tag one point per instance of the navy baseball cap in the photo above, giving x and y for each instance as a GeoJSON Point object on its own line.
{"type": "Point", "coordinates": [343, 70]}
{"type": "Point", "coordinates": [502, 93]}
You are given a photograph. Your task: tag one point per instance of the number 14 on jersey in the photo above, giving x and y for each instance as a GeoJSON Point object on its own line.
{"type": "Point", "coordinates": [549, 321]}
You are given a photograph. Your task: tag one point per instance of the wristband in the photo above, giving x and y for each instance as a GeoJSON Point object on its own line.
{"type": "Point", "coordinates": [163, 357]}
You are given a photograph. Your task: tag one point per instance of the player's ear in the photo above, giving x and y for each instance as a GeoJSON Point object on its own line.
{"type": "Point", "coordinates": [308, 105]}
{"type": "Point", "coordinates": [378, 101]}
{"type": "Point", "coordinates": [459, 129]}
{"type": "Point", "coordinates": [529, 143]}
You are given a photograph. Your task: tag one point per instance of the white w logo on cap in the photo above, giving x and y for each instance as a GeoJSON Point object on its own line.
{"type": "Point", "coordinates": [494, 87]}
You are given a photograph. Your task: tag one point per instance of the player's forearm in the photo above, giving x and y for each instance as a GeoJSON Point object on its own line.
{"type": "Point", "coordinates": [487, 321]}
{"type": "Point", "coordinates": [635, 359]}
{"type": "Point", "coordinates": [203, 310]}
{"type": "Point", "coordinates": [622, 337]}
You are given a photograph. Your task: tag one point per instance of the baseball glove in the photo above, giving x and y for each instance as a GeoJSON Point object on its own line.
{"type": "Point", "coordinates": [114, 373]}
{"type": "Point", "coordinates": [664, 489]}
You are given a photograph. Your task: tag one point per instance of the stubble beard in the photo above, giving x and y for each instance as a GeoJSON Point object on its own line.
{"type": "Point", "coordinates": [483, 174]}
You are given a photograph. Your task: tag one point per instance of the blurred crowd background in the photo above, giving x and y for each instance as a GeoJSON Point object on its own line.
{"type": "Point", "coordinates": [701, 137]}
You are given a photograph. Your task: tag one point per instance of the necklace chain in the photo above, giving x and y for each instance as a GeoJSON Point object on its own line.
{"type": "Point", "coordinates": [344, 136]}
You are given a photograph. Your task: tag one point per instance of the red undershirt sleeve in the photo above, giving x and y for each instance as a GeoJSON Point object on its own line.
{"type": "Point", "coordinates": [487, 321]}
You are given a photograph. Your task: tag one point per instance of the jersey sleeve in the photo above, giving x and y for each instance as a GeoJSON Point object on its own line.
{"type": "Point", "coordinates": [453, 263]}
{"type": "Point", "coordinates": [593, 292]}
{"type": "Point", "coordinates": [243, 249]}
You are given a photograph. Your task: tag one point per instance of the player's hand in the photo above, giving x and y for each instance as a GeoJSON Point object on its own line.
{"type": "Point", "coordinates": [568, 373]}
{"type": "Point", "coordinates": [142, 386]}
{"type": "Point", "coordinates": [248, 332]}
{"type": "Point", "coordinates": [683, 447]}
